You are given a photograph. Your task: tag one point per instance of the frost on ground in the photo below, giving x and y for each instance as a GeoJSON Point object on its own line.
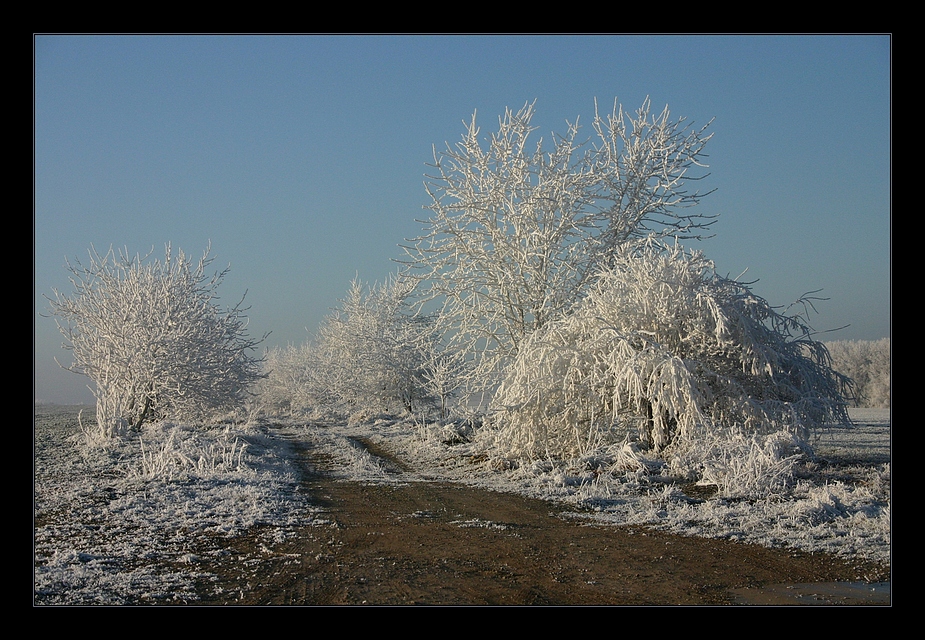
{"type": "Point", "coordinates": [838, 501]}
{"type": "Point", "coordinates": [134, 523]}
{"type": "Point", "coordinates": [130, 523]}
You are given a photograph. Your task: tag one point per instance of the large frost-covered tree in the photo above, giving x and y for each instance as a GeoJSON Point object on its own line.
{"type": "Point", "coordinates": [663, 349]}
{"type": "Point", "coordinates": [517, 229]}
{"type": "Point", "coordinates": [152, 339]}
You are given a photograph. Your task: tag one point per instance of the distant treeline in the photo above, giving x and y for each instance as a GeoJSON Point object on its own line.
{"type": "Point", "coordinates": [867, 362]}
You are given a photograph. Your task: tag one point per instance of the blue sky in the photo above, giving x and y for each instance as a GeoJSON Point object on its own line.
{"type": "Point", "coordinates": [302, 158]}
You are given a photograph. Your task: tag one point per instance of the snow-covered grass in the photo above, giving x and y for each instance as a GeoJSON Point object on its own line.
{"type": "Point", "coordinates": [131, 523]}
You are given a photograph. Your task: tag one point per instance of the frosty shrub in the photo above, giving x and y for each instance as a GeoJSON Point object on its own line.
{"type": "Point", "coordinates": [661, 350]}
{"type": "Point", "coordinates": [867, 363]}
{"type": "Point", "coordinates": [739, 464]}
{"type": "Point", "coordinates": [292, 384]}
{"type": "Point", "coordinates": [517, 230]}
{"type": "Point", "coordinates": [152, 339]}
{"type": "Point", "coordinates": [373, 348]}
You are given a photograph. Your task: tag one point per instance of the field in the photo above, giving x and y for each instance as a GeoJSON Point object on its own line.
{"type": "Point", "coordinates": [259, 512]}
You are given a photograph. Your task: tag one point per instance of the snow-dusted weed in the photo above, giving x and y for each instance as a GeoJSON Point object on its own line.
{"type": "Point", "coordinates": [362, 464]}
{"type": "Point", "coordinates": [168, 451]}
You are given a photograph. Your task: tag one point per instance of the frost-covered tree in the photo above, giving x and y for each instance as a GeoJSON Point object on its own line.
{"type": "Point", "coordinates": [867, 363]}
{"type": "Point", "coordinates": [440, 372]}
{"type": "Point", "coordinates": [152, 339]}
{"type": "Point", "coordinates": [373, 349]}
{"type": "Point", "coordinates": [293, 381]}
{"type": "Point", "coordinates": [662, 350]}
{"type": "Point", "coordinates": [517, 230]}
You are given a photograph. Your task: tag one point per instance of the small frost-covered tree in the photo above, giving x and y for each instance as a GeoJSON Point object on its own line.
{"type": "Point", "coordinates": [661, 349]}
{"type": "Point", "coordinates": [152, 339]}
{"type": "Point", "coordinates": [440, 372]}
{"type": "Point", "coordinates": [373, 349]}
{"type": "Point", "coordinates": [517, 230]}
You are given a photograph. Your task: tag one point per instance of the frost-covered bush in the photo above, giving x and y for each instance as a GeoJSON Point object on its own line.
{"type": "Point", "coordinates": [868, 364]}
{"type": "Point", "coordinates": [152, 339]}
{"type": "Point", "coordinates": [293, 382]}
{"type": "Point", "coordinates": [661, 350]}
{"type": "Point", "coordinates": [372, 355]}
{"type": "Point", "coordinates": [372, 351]}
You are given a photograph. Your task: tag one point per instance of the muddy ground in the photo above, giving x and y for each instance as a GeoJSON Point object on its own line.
{"type": "Point", "coordinates": [433, 543]}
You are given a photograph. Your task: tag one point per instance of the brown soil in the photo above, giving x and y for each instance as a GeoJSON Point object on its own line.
{"type": "Point", "coordinates": [448, 544]}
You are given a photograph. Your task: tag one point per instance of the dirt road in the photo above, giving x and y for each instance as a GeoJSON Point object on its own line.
{"type": "Point", "coordinates": [446, 544]}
